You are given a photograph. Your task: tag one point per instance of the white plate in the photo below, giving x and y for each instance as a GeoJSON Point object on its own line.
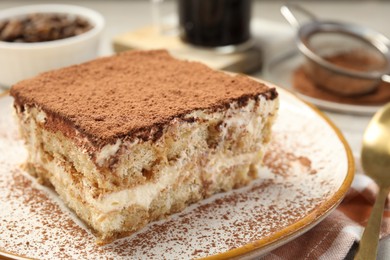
{"type": "Point", "coordinates": [309, 168]}
{"type": "Point", "coordinates": [279, 70]}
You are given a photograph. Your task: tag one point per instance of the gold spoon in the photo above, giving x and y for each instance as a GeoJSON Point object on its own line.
{"type": "Point", "coordinates": [376, 164]}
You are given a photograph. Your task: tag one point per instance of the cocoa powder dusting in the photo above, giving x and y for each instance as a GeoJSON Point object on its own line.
{"type": "Point", "coordinates": [133, 94]}
{"type": "Point", "coordinates": [221, 223]}
{"type": "Point", "coordinates": [281, 161]}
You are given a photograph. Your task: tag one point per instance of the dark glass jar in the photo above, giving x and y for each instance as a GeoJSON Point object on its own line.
{"type": "Point", "coordinates": [214, 23]}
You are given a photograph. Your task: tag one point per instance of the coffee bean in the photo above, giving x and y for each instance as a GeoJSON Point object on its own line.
{"type": "Point", "coordinates": [42, 27]}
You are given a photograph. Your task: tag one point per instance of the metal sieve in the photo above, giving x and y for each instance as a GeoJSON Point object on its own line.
{"type": "Point", "coordinates": [344, 58]}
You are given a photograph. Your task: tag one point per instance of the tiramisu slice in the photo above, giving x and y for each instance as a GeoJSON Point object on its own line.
{"type": "Point", "coordinates": [131, 138]}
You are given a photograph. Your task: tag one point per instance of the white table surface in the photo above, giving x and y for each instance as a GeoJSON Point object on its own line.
{"type": "Point", "coordinates": [123, 16]}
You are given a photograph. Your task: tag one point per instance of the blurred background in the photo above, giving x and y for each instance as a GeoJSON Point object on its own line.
{"type": "Point", "coordinates": [126, 15]}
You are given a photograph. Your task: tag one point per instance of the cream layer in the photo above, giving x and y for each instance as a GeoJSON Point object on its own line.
{"type": "Point", "coordinates": [251, 119]}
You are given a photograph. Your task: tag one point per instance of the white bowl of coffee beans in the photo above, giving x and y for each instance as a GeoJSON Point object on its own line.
{"type": "Point", "coordinates": [38, 38]}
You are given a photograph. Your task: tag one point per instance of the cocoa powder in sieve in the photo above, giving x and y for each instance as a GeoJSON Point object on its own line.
{"type": "Point", "coordinates": [351, 60]}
